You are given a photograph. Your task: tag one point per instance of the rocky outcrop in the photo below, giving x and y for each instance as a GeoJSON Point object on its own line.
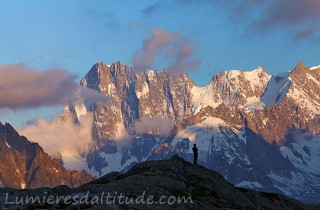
{"type": "Point", "coordinates": [24, 164]}
{"type": "Point", "coordinates": [199, 187]}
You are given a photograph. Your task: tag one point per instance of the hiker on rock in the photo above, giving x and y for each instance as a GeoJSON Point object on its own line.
{"type": "Point", "coordinates": [195, 153]}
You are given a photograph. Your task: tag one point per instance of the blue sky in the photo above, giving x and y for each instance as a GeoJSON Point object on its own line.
{"type": "Point", "coordinates": [75, 34]}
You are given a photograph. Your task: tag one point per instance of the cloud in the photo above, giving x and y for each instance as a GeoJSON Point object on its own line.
{"type": "Point", "coordinates": [258, 16]}
{"type": "Point", "coordinates": [176, 49]}
{"type": "Point", "coordinates": [152, 46]}
{"type": "Point", "coordinates": [22, 87]}
{"type": "Point", "coordinates": [239, 11]}
{"type": "Point", "coordinates": [149, 10]}
{"type": "Point", "coordinates": [61, 137]}
{"type": "Point", "coordinates": [164, 5]}
{"type": "Point", "coordinates": [298, 17]}
{"type": "Point", "coordinates": [306, 32]}
{"type": "Point", "coordinates": [290, 13]}
{"type": "Point", "coordinates": [108, 19]}
{"type": "Point", "coordinates": [153, 125]}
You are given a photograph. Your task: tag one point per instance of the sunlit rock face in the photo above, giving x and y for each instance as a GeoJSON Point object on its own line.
{"type": "Point", "coordinates": [242, 122]}
{"type": "Point", "coordinates": [24, 164]}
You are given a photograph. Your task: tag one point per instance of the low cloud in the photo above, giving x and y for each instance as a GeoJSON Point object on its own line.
{"type": "Point", "coordinates": [175, 48]}
{"type": "Point", "coordinates": [22, 87]}
{"type": "Point", "coordinates": [61, 138]}
{"type": "Point", "coordinates": [153, 125]}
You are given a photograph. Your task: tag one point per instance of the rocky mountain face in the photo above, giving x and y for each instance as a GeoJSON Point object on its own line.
{"type": "Point", "coordinates": [258, 130]}
{"type": "Point", "coordinates": [236, 88]}
{"type": "Point", "coordinates": [132, 97]}
{"type": "Point", "coordinates": [297, 107]}
{"type": "Point", "coordinates": [171, 184]}
{"type": "Point", "coordinates": [24, 164]}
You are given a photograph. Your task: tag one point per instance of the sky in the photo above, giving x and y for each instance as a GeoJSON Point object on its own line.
{"type": "Point", "coordinates": [199, 37]}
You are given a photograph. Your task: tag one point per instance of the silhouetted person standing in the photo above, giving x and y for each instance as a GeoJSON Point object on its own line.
{"type": "Point", "coordinates": [195, 153]}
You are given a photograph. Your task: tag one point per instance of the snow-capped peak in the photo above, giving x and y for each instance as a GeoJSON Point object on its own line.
{"type": "Point", "coordinates": [315, 67]}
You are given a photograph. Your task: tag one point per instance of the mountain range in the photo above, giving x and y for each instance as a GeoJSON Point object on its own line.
{"type": "Point", "coordinates": [259, 131]}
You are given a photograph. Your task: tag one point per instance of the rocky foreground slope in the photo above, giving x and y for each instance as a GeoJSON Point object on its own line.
{"type": "Point", "coordinates": [171, 179]}
{"type": "Point", "coordinates": [24, 164]}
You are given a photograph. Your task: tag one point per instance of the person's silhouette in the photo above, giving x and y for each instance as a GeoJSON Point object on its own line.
{"type": "Point", "coordinates": [195, 153]}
